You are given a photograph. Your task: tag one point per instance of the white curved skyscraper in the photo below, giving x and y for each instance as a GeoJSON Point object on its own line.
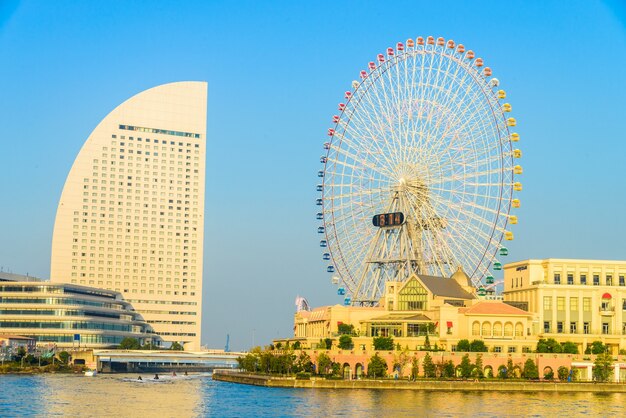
{"type": "Point", "coordinates": [131, 215]}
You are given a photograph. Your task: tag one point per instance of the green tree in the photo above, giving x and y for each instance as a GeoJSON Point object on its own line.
{"type": "Point", "coordinates": [346, 329]}
{"type": "Point", "coordinates": [345, 342]}
{"type": "Point", "coordinates": [323, 363]}
{"type": "Point", "coordinates": [426, 343]}
{"type": "Point", "coordinates": [415, 368]}
{"type": "Point", "coordinates": [297, 345]}
{"type": "Point", "coordinates": [603, 367]}
{"type": "Point", "coordinates": [562, 372]}
{"type": "Point", "coordinates": [478, 346]}
{"type": "Point", "coordinates": [303, 363]}
{"type": "Point", "coordinates": [448, 369]}
{"type": "Point", "coordinates": [129, 343]}
{"type": "Point", "coordinates": [329, 343]}
{"type": "Point", "coordinates": [465, 367]}
{"type": "Point", "coordinates": [509, 368]}
{"type": "Point", "coordinates": [377, 367]}
{"type": "Point", "coordinates": [249, 363]}
{"type": "Point", "coordinates": [530, 370]}
{"type": "Point", "coordinates": [176, 346]}
{"type": "Point", "coordinates": [479, 366]}
{"type": "Point", "coordinates": [548, 346]}
{"type": "Point", "coordinates": [596, 347]}
{"type": "Point", "coordinates": [428, 366]}
{"type": "Point", "coordinates": [383, 343]}
{"type": "Point", "coordinates": [463, 346]}
{"type": "Point", "coordinates": [335, 369]}
{"type": "Point", "coordinates": [569, 347]}
{"type": "Point", "coordinates": [64, 357]}
{"type": "Point", "coordinates": [400, 361]}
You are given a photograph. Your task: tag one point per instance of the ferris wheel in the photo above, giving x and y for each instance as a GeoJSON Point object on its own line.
{"type": "Point", "coordinates": [418, 172]}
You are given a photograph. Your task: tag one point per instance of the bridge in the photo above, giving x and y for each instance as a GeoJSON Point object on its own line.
{"type": "Point", "coordinates": [135, 361]}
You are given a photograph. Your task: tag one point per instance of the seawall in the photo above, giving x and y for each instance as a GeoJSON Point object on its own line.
{"type": "Point", "coordinates": [438, 385]}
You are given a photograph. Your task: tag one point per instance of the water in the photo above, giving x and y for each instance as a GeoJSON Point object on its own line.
{"type": "Point", "coordinates": [198, 395]}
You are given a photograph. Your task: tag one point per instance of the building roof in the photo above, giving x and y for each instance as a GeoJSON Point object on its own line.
{"type": "Point", "coordinates": [15, 337]}
{"type": "Point", "coordinates": [493, 308]}
{"type": "Point", "coordinates": [12, 277]}
{"type": "Point", "coordinates": [401, 317]}
{"type": "Point", "coordinates": [442, 286]}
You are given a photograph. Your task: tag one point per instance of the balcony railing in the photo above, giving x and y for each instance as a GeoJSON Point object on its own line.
{"type": "Point", "coordinates": [607, 310]}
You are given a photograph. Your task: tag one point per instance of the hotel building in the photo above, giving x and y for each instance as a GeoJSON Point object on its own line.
{"type": "Point", "coordinates": [131, 214]}
{"type": "Point", "coordinates": [572, 300]}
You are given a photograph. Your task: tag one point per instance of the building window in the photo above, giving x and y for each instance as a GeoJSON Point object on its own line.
{"type": "Point", "coordinates": [570, 278]}
{"type": "Point", "coordinates": [557, 278]}
{"type": "Point", "coordinates": [559, 327]}
{"type": "Point", "coordinates": [527, 349]}
{"type": "Point", "coordinates": [586, 304]}
{"type": "Point", "coordinates": [583, 279]}
{"type": "Point", "coordinates": [623, 328]}
{"type": "Point", "coordinates": [497, 349]}
{"type": "Point", "coordinates": [560, 303]}
{"type": "Point", "coordinates": [596, 280]}
{"type": "Point", "coordinates": [573, 329]}
{"type": "Point", "coordinates": [512, 349]}
{"type": "Point", "coordinates": [624, 305]}
{"type": "Point", "coordinates": [546, 327]}
{"type": "Point", "coordinates": [605, 327]}
{"type": "Point", "coordinates": [573, 304]}
{"type": "Point", "coordinates": [547, 303]}
{"type": "Point", "coordinates": [586, 327]}
{"type": "Point", "coordinates": [621, 281]}
{"type": "Point", "coordinates": [609, 280]}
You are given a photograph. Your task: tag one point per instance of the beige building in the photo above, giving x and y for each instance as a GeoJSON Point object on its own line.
{"type": "Point", "coordinates": [131, 215]}
{"type": "Point", "coordinates": [573, 300]}
{"type": "Point", "coordinates": [446, 310]}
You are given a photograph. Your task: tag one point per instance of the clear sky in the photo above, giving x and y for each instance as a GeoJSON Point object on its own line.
{"type": "Point", "coordinates": [276, 71]}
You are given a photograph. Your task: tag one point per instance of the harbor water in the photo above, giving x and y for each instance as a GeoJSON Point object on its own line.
{"type": "Point", "coordinates": [198, 396]}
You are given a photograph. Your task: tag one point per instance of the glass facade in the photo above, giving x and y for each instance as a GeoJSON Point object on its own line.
{"type": "Point", "coordinates": [58, 313]}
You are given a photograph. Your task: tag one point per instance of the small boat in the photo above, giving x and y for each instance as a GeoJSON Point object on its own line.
{"type": "Point", "coordinates": [91, 373]}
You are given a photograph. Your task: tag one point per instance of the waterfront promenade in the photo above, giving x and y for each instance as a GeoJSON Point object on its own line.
{"type": "Point", "coordinates": [429, 385]}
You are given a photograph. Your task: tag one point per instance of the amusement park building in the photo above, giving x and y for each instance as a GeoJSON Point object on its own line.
{"type": "Point", "coordinates": [445, 309]}
{"type": "Point", "coordinates": [572, 300]}
{"type": "Point", "coordinates": [569, 300]}
{"type": "Point", "coordinates": [131, 214]}
{"type": "Point", "coordinates": [68, 315]}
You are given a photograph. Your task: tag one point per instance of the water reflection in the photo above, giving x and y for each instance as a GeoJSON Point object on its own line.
{"type": "Point", "coordinates": [198, 396]}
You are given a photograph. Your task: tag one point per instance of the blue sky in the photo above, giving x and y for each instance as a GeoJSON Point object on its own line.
{"type": "Point", "coordinates": [276, 71]}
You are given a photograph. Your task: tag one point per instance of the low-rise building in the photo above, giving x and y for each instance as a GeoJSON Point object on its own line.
{"type": "Point", "coordinates": [422, 311]}
{"type": "Point", "coordinates": [68, 315]}
{"type": "Point", "coordinates": [572, 300]}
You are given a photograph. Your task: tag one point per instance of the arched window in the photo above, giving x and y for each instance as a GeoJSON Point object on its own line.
{"type": "Point", "coordinates": [486, 329]}
{"type": "Point", "coordinates": [476, 328]}
{"type": "Point", "coordinates": [508, 329]}
{"type": "Point", "coordinates": [497, 329]}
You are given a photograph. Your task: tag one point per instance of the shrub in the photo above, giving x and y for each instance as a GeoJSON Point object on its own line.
{"type": "Point", "coordinates": [383, 343]}
{"type": "Point", "coordinates": [563, 373]}
{"type": "Point", "coordinates": [303, 376]}
{"type": "Point", "coordinates": [463, 346]}
{"type": "Point", "coordinates": [478, 346]}
{"type": "Point", "coordinates": [448, 369]}
{"type": "Point", "coordinates": [345, 342]}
